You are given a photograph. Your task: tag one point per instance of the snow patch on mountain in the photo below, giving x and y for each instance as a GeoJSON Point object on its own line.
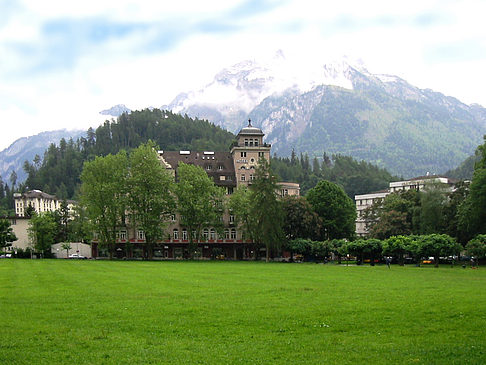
{"type": "Point", "coordinates": [237, 90]}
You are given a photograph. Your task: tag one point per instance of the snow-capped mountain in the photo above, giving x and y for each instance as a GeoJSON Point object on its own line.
{"type": "Point", "coordinates": [237, 90]}
{"type": "Point", "coordinates": [340, 107]}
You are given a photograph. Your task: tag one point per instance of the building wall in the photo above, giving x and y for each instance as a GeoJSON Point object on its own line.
{"type": "Point", "coordinates": [365, 201]}
{"type": "Point", "coordinates": [80, 248]}
{"type": "Point", "coordinates": [20, 227]}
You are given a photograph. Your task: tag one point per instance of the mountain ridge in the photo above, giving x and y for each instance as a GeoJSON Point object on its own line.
{"type": "Point", "coordinates": [342, 108]}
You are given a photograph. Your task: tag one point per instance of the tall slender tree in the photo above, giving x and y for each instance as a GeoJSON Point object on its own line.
{"type": "Point", "coordinates": [267, 208]}
{"type": "Point", "coordinates": [200, 203]}
{"type": "Point", "coordinates": [104, 197]}
{"type": "Point", "coordinates": [149, 194]}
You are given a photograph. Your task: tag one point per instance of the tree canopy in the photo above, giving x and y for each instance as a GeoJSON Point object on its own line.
{"type": "Point", "coordinates": [336, 210]}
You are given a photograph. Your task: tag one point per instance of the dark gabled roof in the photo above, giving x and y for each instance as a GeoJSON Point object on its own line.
{"type": "Point", "coordinates": [216, 164]}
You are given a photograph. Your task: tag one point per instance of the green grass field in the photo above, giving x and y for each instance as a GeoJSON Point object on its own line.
{"type": "Point", "coordinates": [100, 312]}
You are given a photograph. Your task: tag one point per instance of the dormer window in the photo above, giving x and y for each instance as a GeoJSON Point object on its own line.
{"type": "Point", "coordinates": [246, 141]}
{"type": "Point", "coordinates": [256, 142]}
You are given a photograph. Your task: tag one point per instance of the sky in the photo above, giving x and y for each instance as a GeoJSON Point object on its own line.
{"type": "Point", "coordinates": [62, 62]}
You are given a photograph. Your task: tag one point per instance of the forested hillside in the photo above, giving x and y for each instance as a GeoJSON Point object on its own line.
{"type": "Point", "coordinates": [356, 177]}
{"type": "Point", "coordinates": [59, 170]}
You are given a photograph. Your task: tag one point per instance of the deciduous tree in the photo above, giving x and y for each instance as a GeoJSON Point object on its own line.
{"type": "Point", "coordinates": [149, 194]}
{"type": "Point", "coordinates": [104, 197]}
{"type": "Point", "coordinates": [199, 202]}
{"type": "Point", "coordinates": [335, 208]}
{"type": "Point", "coordinates": [42, 232]}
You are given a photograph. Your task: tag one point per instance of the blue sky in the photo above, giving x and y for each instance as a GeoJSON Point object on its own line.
{"type": "Point", "coordinates": [62, 62]}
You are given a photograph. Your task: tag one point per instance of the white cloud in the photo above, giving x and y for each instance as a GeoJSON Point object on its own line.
{"type": "Point", "coordinates": [54, 76]}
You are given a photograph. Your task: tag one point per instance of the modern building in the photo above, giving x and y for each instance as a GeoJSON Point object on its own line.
{"type": "Point", "coordinates": [365, 201]}
{"type": "Point", "coordinates": [229, 170]}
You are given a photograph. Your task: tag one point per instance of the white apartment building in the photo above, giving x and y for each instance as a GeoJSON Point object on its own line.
{"type": "Point", "coordinates": [365, 201]}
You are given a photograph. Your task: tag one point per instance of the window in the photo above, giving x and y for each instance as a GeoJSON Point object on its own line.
{"type": "Point", "coordinates": [246, 143]}
{"type": "Point", "coordinates": [220, 167]}
{"type": "Point", "coordinates": [233, 234]}
{"type": "Point", "coordinates": [256, 142]}
{"type": "Point", "coordinates": [205, 233]}
{"type": "Point", "coordinates": [284, 192]}
{"type": "Point", "coordinates": [175, 234]}
{"type": "Point", "coordinates": [123, 235]}
{"type": "Point", "coordinates": [231, 218]}
{"type": "Point", "coordinates": [252, 177]}
{"type": "Point", "coordinates": [172, 217]}
{"type": "Point", "coordinates": [212, 234]}
{"type": "Point", "coordinates": [251, 142]}
{"type": "Point", "coordinates": [208, 167]}
{"type": "Point", "coordinates": [243, 154]}
{"type": "Point", "coordinates": [184, 234]}
{"type": "Point", "coordinates": [243, 177]}
{"type": "Point", "coordinates": [141, 235]}
{"type": "Point", "coordinates": [230, 190]}
{"type": "Point", "coordinates": [227, 233]}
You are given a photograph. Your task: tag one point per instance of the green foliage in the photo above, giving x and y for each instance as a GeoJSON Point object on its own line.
{"type": "Point", "coordinates": [66, 246]}
{"type": "Point", "coordinates": [267, 208]}
{"type": "Point", "coordinates": [300, 220]}
{"type": "Point", "coordinates": [436, 245]}
{"type": "Point", "coordinates": [472, 214]}
{"type": "Point", "coordinates": [149, 190]}
{"type": "Point", "coordinates": [397, 214]}
{"type": "Point", "coordinates": [335, 208]}
{"type": "Point", "coordinates": [241, 206]}
{"type": "Point", "coordinates": [397, 246]}
{"type": "Point", "coordinates": [42, 232]}
{"type": "Point", "coordinates": [200, 203]}
{"type": "Point", "coordinates": [477, 246]}
{"type": "Point", "coordinates": [433, 200]}
{"type": "Point", "coordinates": [60, 170]}
{"type": "Point", "coordinates": [355, 177]}
{"type": "Point", "coordinates": [7, 236]}
{"type": "Point", "coordinates": [103, 196]}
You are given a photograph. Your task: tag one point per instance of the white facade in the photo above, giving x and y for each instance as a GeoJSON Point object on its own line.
{"type": "Point", "coordinates": [39, 201]}
{"type": "Point", "coordinates": [365, 201]}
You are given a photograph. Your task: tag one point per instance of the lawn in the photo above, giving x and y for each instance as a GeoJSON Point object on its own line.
{"type": "Point", "coordinates": [101, 312]}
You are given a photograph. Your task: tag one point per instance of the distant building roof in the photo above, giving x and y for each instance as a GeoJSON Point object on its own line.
{"type": "Point", "coordinates": [216, 164]}
{"type": "Point", "coordinates": [38, 194]}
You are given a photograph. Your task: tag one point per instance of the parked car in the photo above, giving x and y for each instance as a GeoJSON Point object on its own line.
{"type": "Point", "coordinates": [77, 256]}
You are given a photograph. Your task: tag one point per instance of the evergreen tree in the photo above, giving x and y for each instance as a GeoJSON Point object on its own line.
{"type": "Point", "coordinates": [267, 208]}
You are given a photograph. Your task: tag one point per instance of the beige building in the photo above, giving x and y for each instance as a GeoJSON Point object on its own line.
{"type": "Point", "coordinates": [20, 227]}
{"type": "Point", "coordinates": [365, 201]}
{"type": "Point", "coordinates": [39, 201]}
{"type": "Point", "coordinates": [229, 170]}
